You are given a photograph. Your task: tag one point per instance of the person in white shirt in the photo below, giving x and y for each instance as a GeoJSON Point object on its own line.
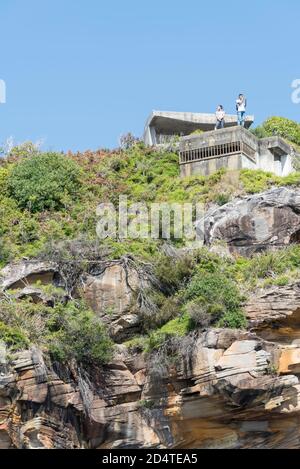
{"type": "Point", "coordinates": [220, 118]}
{"type": "Point", "coordinates": [241, 104]}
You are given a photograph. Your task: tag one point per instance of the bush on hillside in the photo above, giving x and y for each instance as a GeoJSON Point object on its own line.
{"type": "Point", "coordinates": [13, 337]}
{"type": "Point", "coordinates": [76, 333]}
{"type": "Point", "coordinates": [267, 265]}
{"type": "Point", "coordinates": [67, 331]}
{"type": "Point", "coordinates": [4, 252]}
{"type": "Point", "coordinates": [172, 272]}
{"type": "Point", "coordinates": [203, 314]}
{"type": "Point", "coordinates": [3, 182]}
{"type": "Point", "coordinates": [47, 181]}
{"type": "Point", "coordinates": [218, 296]}
{"type": "Point", "coordinates": [280, 126]}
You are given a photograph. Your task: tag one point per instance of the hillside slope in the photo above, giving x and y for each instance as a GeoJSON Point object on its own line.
{"type": "Point", "coordinates": [115, 342]}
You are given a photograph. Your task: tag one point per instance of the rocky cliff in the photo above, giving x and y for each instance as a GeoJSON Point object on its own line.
{"type": "Point", "coordinates": [231, 389]}
{"type": "Point", "coordinates": [214, 388]}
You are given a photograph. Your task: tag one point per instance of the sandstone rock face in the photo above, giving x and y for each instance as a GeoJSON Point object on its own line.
{"type": "Point", "coordinates": [26, 273]}
{"type": "Point", "coordinates": [274, 313]}
{"type": "Point", "coordinates": [110, 295]}
{"type": "Point", "coordinates": [253, 223]}
{"type": "Point", "coordinates": [111, 290]}
{"type": "Point", "coordinates": [273, 303]}
{"type": "Point", "coordinates": [223, 393]}
{"type": "Point", "coordinates": [290, 360]}
{"type": "Point", "coordinates": [224, 388]}
{"type": "Point", "coordinates": [45, 408]}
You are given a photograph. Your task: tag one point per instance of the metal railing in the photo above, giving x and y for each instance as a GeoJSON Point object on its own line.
{"type": "Point", "coordinates": [215, 151]}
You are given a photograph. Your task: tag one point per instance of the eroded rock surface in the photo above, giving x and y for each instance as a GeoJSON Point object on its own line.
{"type": "Point", "coordinates": [222, 389]}
{"type": "Point", "coordinates": [254, 223]}
{"type": "Point", "coordinates": [274, 313]}
{"type": "Point", "coordinates": [110, 290]}
{"type": "Point", "coordinates": [27, 272]}
{"type": "Point", "coordinates": [223, 393]}
{"type": "Point", "coordinates": [112, 293]}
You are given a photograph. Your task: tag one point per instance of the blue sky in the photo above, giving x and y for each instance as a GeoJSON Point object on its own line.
{"type": "Point", "coordinates": [81, 72]}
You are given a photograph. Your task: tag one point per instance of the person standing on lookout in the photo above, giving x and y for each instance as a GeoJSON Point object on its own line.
{"type": "Point", "coordinates": [220, 118]}
{"type": "Point", "coordinates": [241, 104]}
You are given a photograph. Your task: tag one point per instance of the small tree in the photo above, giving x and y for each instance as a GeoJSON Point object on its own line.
{"type": "Point", "coordinates": [14, 150]}
{"type": "Point", "coordinates": [127, 141]}
{"type": "Point", "coordinates": [282, 127]}
{"type": "Point", "coordinates": [46, 181]}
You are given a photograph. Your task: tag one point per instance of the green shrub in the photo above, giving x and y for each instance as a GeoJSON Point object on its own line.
{"type": "Point", "coordinates": [44, 182]}
{"type": "Point", "coordinates": [4, 252]}
{"type": "Point", "coordinates": [292, 179]}
{"type": "Point", "coordinates": [273, 268]}
{"type": "Point", "coordinates": [219, 298]}
{"type": "Point", "coordinates": [24, 150]}
{"type": "Point", "coordinates": [13, 337]}
{"type": "Point", "coordinates": [222, 198]}
{"type": "Point", "coordinates": [116, 163]}
{"type": "Point", "coordinates": [165, 309]}
{"type": "Point", "coordinates": [155, 341]}
{"type": "Point", "coordinates": [137, 344]}
{"type": "Point", "coordinates": [172, 272]}
{"type": "Point", "coordinates": [203, 314]}
{"type": "Point", "coordinates": [208, 261]}
{"type": "Point", "coordinates": [259, 132]}
{"type": "Point", "coordinates": [3, 182]}
{"type": "Point", "coordinates": [270, 264]}
{"type": "Point", "coordinates": [214, 287]}
{"type": "Point", "coordinates": [282, 127]}
{"type": "Point", "coordinates": [282, 281]}
{"type": "Point", "coordinates": [256, 180]}
{"type": "Point", "coordinates": [178, 327]}
{"type": "Point", "coordinates": [233, 319]}
{"type": "Point", "coordinates": [76, 333]}
{"type": "Point", "coordinates": [66, 331]}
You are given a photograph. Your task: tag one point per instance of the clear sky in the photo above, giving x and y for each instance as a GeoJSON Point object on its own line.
{"type": "Point", "coordinates": [81, 72]}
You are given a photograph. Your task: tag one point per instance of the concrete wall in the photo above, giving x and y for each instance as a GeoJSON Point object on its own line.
{"type": "Point", "coordinates": [269, 154]}
{"type": "Point", "coordinates": [288, 167]}
{"type": "Point", "coordinates": [275, 155]}
{"type": "Point", "coordinates": [280, 165]}
{"type": "Point", "coordinates": [210, 166]}
{"type": "Point", "coordinates": [217, 137]}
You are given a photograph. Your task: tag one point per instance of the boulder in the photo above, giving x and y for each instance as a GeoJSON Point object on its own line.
{"type": "Point", "coordinates": [254, 223]}
{"type": "Point", "coordinates": [25, 273]}
{"type": "Point", "coordinates": [110, 294]}
{"type": "Point", "coordinates": [273, 313]}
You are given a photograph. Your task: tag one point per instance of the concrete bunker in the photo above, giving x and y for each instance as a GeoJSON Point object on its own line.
{"type": "Point", "coordinates": [208, 150]}
{"type": "Point", "coordinates": [234, 148]}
